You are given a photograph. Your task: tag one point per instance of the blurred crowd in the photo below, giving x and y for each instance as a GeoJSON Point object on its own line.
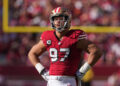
{"type": "Point", "coordinates": [15, 46]}
{"type": "Point", "coordinates": [114, 79]}
{"type": "Point", "coordinates": [85, 12]}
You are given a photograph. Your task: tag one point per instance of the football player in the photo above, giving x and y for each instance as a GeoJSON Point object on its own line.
{"type": "Point", "coordinates": [65, 48]}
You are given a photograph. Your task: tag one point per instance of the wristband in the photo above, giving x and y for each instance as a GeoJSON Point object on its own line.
{"type": "Point", "coordinates": [85, 68]}
{"type": "Point", "coordinates": [39, 68]}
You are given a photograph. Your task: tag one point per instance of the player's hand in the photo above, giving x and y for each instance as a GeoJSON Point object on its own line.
{"type": "Point", "coordinates": [45, 75]}
{"type": "Point", "coordinates": [80, 75]}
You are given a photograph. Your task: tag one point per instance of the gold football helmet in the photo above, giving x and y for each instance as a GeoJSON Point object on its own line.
{"type": "Point", "coordinates": [61, 12]}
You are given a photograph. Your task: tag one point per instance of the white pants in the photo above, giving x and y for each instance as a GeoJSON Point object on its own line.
{"type": "Point", "coordinates": [61, 81]}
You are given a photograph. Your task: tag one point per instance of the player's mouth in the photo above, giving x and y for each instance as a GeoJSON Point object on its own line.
{"type": "Point", "coordinates": [58, 25]}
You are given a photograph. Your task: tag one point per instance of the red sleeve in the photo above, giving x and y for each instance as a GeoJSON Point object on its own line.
{"type": "Point", "coordinates": [44, 38]}
{"type": "Point", "coordinates": [81, 35]}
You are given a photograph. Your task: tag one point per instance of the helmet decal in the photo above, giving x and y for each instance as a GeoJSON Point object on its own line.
{"type": "Point", "coordinates": [57, 10]}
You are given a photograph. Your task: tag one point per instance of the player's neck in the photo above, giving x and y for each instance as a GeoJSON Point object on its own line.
{"type": "Point", "coordinates": [61, 34]}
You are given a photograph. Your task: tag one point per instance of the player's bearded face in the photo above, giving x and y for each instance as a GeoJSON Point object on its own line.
{"type": "Point", "coordinates": [59, 22]}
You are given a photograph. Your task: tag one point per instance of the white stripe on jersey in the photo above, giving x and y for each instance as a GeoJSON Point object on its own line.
{"type": "Point", "coordinates": [82, 37]}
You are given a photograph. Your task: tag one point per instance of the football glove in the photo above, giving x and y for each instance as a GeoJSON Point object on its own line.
{"type": "Point", "coordinates": [45, 75]}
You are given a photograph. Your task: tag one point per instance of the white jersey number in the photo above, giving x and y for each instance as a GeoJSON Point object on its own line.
{"type": "Point", "coordinates": [54, 54]}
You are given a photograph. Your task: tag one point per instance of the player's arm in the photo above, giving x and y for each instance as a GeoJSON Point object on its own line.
{"type": "Point", "coordinates": [34, 53]}
{"type": "Point", "coordinates": [93, 51]}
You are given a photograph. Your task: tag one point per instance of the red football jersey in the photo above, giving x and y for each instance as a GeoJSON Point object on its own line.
{"type": "Point", "coordinates": [64, 55]}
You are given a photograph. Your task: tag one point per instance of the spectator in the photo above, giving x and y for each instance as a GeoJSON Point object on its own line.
{"type": "Point", "coordinates": [114, 79]}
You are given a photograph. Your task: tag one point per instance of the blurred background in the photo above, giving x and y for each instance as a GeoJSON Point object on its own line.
{"type": "Point", "coordinates": [15, 68]}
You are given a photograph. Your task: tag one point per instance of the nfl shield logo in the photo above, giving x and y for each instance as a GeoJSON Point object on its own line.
{"type": "Point", "coordinates": [48, 42]}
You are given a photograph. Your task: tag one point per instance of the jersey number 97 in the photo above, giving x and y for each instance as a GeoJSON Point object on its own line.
{"type": "Point", "coordinates": [54, 54]}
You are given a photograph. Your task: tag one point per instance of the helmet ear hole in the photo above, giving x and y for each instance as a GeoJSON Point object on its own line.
{"type": "Point", "coordinates": [66, 17]}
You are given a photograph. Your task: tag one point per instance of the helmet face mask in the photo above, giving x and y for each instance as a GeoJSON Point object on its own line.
{"type": "Point", "coordinates": [61, 12]}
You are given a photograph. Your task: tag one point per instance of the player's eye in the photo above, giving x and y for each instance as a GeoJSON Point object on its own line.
{"type": "Point", "coordinates": [59, 19]}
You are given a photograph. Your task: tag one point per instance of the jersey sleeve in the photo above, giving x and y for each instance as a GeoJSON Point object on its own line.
{"type": "Point", "coordinates": [81, 35]}
{"type": "Point", "coordinates": [43, 37]}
